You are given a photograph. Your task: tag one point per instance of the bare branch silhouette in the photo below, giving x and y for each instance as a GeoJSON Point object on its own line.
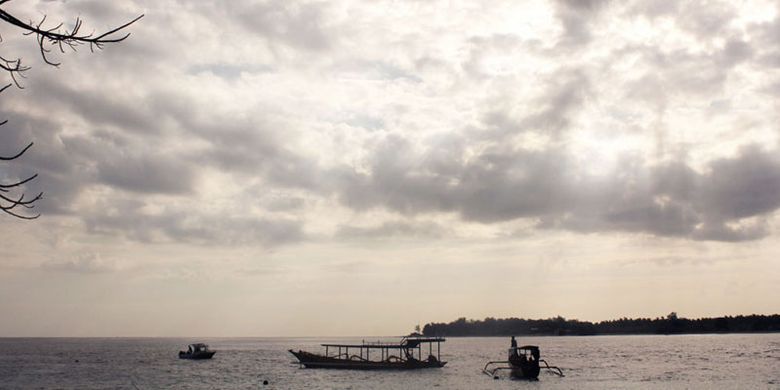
{"type": "Point", "coordinates": [12, 197]}
{"type": "Point", "coordinates": [9, 202]}
{"type": "Point", "coordinates": [57, 37]}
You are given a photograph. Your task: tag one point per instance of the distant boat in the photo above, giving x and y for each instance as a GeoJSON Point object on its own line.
{"type": "Point", "coordinates": [522, 363]}
{"type": "Point", "coordinates": [386, 356]}
{"type": "Point", "coordinates": [197, 351]}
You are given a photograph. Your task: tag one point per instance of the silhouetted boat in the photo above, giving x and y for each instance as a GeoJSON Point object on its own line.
{"type": "Point", "coordinates": [197, 351]}
{"type": "Point", "coordinates": [522, 363]}
{"type": "Point", "coordinates": [387, 356]}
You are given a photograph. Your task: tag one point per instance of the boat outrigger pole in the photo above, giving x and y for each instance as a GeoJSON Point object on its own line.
{"type": "Point", "coordinates": [492, 371]}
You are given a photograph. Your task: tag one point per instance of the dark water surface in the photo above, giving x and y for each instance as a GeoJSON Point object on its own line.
{"type": "Point", "coordinates": [594, 362]}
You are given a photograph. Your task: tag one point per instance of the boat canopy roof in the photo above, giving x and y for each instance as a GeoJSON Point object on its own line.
{"type": "Point", "coordinates": [198, 345]}
{"type": "Point", "coordinates": [406, 342]}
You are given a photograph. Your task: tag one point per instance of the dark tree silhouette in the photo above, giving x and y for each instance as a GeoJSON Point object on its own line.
{"type": "Point", "coordinates": [671, 324]}
{"type": "Point", "coordinates": [12, 197]}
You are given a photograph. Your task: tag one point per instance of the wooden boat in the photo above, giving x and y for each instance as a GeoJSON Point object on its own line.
{"type": "Point", "coordinates": [197, 351]}
{"type": "Point", "coordinates": [522, 363]}
{"type": "Point", "coordinates": [406, 355]}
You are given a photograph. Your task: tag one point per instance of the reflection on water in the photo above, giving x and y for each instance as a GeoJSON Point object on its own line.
{"type": "Point", "coordinates": [589, 362]}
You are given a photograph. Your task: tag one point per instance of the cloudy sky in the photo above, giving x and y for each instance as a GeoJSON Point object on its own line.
{"type": "Point", "coordinates": [278, 168]}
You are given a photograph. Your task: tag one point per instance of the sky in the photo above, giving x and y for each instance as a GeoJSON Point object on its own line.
{"type": "Point", "coordinates": [356, 168]}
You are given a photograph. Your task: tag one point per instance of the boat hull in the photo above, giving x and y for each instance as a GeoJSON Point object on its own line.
{"type": "Point", "coordinates": [197, 355]}
{"type": "Point", "coordinates": [524, 369]}
{"type": "Point", "coordinates": [311, 360]}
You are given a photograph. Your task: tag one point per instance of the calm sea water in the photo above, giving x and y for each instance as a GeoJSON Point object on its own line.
{"type": "Point", "coordinates": [597, 362]}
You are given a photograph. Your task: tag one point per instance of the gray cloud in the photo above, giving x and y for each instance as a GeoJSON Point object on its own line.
{"type": "Point", "coordinates": [300, 25]}
{"type": "Point", "coordinates": [72, 162]}
{"type": "Point", "coordinates": [634, 198]}
{"type": "Point", "coordinates": [149, 173]}
{"type": "Point", "coordinates": [284, 204]}
{"type": "Point", "coordinates": [773, 89]}
{"type": "Point", "coordinates": [254, 149]}
{"type": "Point", "coordinates": [706, 19]}
{"type": "Point", "coordinates": [393, 229]}
{"type": "Point", "coordinates": [765, 35]}
{"type": "Point", "coordinates": [653, 8]}
{"type": "Point", "coordinates": [565, 94]}
{"type": "Point", "coordinates": [742, 187]}
{"type": "Point", "coordinates": [59, 177]}
{"type": "Point", "coordinates": [723, 232]}
{"type": "Point", "coordinates": [69, 165]}
{"type": "Point", "coordinates": [675, 200]}
{"type": "Point", "coordinates": [577, 17]}
{"type": "Point", "coordinates": [498, 184]}
{"type": "Point", "coordinates": [735, 51]}
{"type": "Point", "coordinates": [128, 219]}
{"type": "Point", "coordinates": [119, 109]}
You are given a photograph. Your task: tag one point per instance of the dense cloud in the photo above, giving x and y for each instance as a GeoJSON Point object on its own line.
{"type": "Point", "coordinates": [251, 135]}
{"type": "Point", "coordinates": [501, 184]}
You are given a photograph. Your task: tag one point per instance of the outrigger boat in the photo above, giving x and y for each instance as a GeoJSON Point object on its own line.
{"type": "Point", "coordinates": [522, 363]}
{"type": "Point", "coordinates": [406, 355]}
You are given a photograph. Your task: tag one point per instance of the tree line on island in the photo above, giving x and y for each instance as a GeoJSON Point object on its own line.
{"type": "Point", "coordinates": [559, 326]}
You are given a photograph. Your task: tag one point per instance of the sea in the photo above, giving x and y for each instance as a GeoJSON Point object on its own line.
{"type": "Point", "coordinates": [722, 361]}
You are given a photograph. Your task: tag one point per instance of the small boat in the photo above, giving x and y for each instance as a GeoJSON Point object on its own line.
{"type": "Point", "coordinates": [197, 351]}
{"type": "Point", "coordinates": [522, 363]}
{"type": "Point", "coordinates": [525, 362]}
{"type": "Point", "coordinates": [405, 355]}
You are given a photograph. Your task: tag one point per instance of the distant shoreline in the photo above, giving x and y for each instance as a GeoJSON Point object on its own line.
{"type": "Point", "coordinates": [559, 326]}
{"type": "Point", "coordinates": [611, 334]}
{"type": "Point", "coordinates": [315, 338]}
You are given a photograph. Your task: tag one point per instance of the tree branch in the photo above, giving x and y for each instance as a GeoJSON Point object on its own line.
{"type": "Point", "coordinates": [47, 37]}
{"type": "Point", "coordinates": [18, 154]}
{"type": "Point", "coordinates": [56, 36]}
